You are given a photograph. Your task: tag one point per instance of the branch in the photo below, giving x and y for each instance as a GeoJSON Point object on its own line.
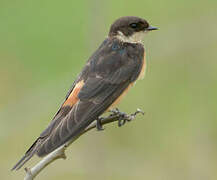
{"type": "Point", "coordinates": [59, 153]}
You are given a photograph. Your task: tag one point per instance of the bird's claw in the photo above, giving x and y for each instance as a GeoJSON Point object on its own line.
{"type": "Point", "coordinates": [139, 111]}
{"type": "Point", "coordinates": [121, 122]}
{"type": "Point", "coordinates": [123, 117]}
{"type": "Point", "coordinates": [99, 124]}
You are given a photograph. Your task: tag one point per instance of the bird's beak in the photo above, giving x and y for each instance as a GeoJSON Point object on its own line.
{"type": "Point", "coordinates": [151, 28]}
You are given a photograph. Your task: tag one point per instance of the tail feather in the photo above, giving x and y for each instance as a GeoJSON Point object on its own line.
{"type": "Point", "coordinates": [31, 151]}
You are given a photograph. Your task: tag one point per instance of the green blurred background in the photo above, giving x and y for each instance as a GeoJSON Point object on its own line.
{"type": "Point", "coordinates": [45, 43]}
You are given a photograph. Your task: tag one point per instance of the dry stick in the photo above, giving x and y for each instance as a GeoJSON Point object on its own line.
{"type": "Point", "coordinates": [59, 153]}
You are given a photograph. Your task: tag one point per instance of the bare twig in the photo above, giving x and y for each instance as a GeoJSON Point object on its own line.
{"type": "Point", "coordinates": [59, 153]}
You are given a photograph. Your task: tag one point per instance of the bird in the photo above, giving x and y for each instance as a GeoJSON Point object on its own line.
{"type": "Point", "coordinates": [106, 77]}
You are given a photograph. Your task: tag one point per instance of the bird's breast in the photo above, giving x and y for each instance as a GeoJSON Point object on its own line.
{"type": "Point", "coordinates": [143, 69]}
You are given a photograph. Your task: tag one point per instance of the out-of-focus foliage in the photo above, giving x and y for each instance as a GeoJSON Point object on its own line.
{"type": "Point", "coordinates": [45, 43]}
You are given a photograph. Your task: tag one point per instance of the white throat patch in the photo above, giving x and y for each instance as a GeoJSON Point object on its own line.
{"type": "Point", "coordinates": [135, 38]}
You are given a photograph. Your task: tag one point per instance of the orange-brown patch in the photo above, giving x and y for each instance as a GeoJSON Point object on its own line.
{"type": "Point", "coordinates": [117, 101]}
{"type": "Point", "coordinates": [73, 97]}
{"type": "Point", "coordinates": [142, 72]}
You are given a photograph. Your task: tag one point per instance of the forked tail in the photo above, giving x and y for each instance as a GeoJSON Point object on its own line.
{"type": "Point", "coordinates": [31, 151]}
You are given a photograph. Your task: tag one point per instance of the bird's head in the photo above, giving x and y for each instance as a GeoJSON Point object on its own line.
{"type": "Point", "coordinates": [130, 29]}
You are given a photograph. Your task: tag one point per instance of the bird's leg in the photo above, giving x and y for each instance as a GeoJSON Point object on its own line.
{"type": "Point", "coordinates": [118, 115]}
{"type": "Point", "coordinates": [132, 116]}
{"type": "Point", "coordinates": [123, 117]}
{"type": "Point", "coordinates": [99, 124]}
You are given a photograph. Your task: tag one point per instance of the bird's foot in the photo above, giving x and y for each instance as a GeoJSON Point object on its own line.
{"type": "Point", "coordinates": [99, 124]}
{"type": "Point", "coordinates": [123, 117]}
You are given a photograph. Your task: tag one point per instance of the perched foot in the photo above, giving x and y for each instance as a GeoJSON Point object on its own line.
{"type": "Point", "coordinates": [99, 124]}
{"type": "Point", "coordinates": [132, 116]}
{"type": "Point", "coordinates": [123, 117]}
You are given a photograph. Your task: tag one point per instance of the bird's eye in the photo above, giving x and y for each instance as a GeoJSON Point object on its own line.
{"type": "Point", "coordinates": [133, 25]}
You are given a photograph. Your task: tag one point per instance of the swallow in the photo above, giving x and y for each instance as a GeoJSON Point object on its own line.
{"type": "Point", "coordinates": [107, 76]}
